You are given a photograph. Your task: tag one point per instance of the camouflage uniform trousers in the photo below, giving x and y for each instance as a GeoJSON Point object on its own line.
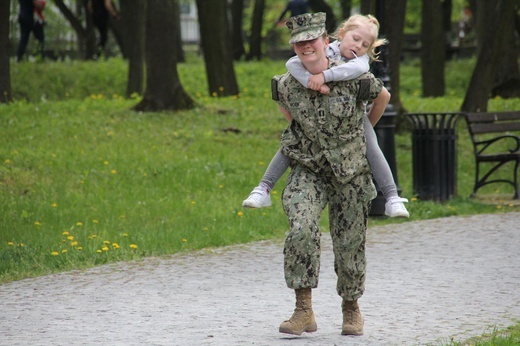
{"type": "Point", "coordinates": [304, 198]}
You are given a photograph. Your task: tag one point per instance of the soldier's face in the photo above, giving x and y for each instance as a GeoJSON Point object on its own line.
{"type": "Point", "coordinates": [312, 50]}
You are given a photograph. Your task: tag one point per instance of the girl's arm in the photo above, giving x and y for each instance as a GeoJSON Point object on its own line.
{"type": "Point", "coordinates": [285, 113]}
{"type": "Point", "coordinates": [378, 106]}
{"type": "Point", "coordinates": [347, 71]}
{"type": "Point", "coordinates": [296, 69]}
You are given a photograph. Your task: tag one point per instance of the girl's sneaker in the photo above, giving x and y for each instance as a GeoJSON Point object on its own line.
{"type": "Point", "coordinates": [394, 207]}
{"type": "Point", "coordinates": [258, 198]}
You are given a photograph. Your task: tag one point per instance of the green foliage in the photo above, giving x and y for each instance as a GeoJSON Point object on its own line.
{"type": "Point", "coordinates": [506, 337]}
{"type": "Point", "coordinates": [84, 180]}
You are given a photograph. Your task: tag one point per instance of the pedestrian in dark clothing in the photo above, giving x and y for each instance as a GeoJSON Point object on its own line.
{"type": "Point", "coordinates": [295, 7]}
{"type": "Point", "coordinates": [101, 11]}
{"type": "Point", "coordinates": [30, 18]}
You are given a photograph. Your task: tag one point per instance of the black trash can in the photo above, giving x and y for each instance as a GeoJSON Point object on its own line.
{"type": "Point", "coordinates": [434, 155]}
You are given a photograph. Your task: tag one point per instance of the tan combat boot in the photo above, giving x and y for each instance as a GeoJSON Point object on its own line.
{"type": "Point", "coordinates": [352, 319]}
{"type": "Point", "coordinates": [302, 319]}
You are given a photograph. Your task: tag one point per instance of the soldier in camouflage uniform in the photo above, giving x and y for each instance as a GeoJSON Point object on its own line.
{"type": "Point", "coordinates": [326, 144]}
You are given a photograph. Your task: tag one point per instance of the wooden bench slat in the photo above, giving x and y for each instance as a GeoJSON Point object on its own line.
{"type": "Point", "coordinates": [492, 117]}
{"type": "Point", "coordinates": [478, 128]}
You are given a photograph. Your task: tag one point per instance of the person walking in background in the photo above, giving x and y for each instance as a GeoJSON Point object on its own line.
{"type": "Point", "coordinates": [325, 142]}
{"type": "Point", "coordinates": [101, 11]}
{"type": "Point", "coordinates": [295, 7]}
{"type": "Point", "coordinates": [31, 19]}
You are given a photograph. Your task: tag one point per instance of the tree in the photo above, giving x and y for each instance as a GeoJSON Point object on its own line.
{"type": "Point", "coordinates": [392, 24]}
{"type": "Point", "coordinates": [86, 36]}
{"type": "Point", "coordinates": [391, 20]}
{"type": "Point", "coordinates": [5, 72]}
{"type": "Point", "coordinates": [216, 45]}
{"type": "Point", "coordinates": [133, 14]}
{"type": "Point", "coordinates": [237, 11]}
{"type": "Point", "coordinates": [507, 80]}
{"type": "Point", "coordinates": [493, 20]}
{"type": "Point", "coordinates": [346, 8]}
{"type": "Point", "coordinates": [432, 49]}
{"type": "Point", "coordinates": [255, 45]}
{"type": "Point", "coordinates": [163, 87]}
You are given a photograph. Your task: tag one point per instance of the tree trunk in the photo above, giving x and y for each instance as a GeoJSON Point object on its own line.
{"type": "Point", "coordinates": [346, 8]}
{"type": "Point", "coordinates": [255, 45]}
{"type": "Point", "coordinates": [392, 28]}
{"type": "Point", "coordinates": [5, 72]}
{"type": "Point", "coordinates": [368, 7]}
{"type": "Point", "coordinates": [163, 87]}
{"type": "Point", "coordinates": [507, 80]}
{"type": "Point", "coordinates": [216, 45]}
{"type": "Point", "coordinates": [133, 18]}
{"type": "Point", "coordinates": [432, 49]}
{"type": "Point", "coordinates": [237, 11]}
{"type": "Point", "coordinates": [179, 51]}
{"type": "Point", "coordinates": [491, 16]}
{"type": "Point", "coordinates": [321, 6]}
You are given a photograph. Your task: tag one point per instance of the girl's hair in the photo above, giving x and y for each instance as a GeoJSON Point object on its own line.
{"type": "Point", "coordinates": [359, 20]}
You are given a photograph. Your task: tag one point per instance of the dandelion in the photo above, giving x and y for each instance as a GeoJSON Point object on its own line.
{"type": "Point", "coordinates": [413, 199]}
{"type": "Point", "coordinates": [106, 242]}
{"type": "Point", "coordinates": [74, 243]}
{"type": "Point", "coordinates": [79, 248]}
{"type": "Point", "coordinates": [93, 236]}
{"type": "Point", "coordinates": [106, 163]}
{"type": "Point", "coordinates": [113, 171]}
{"type": "Point", "coordinates": [220, 186]}
{"type": "Point", "coordinates": [261, 163]}
{"type": "Point", "coordinates": [184, 240]}
{"type": "Point", "coordinates": [193, 202]}
{"type": "Point", "coordinates": [70, 237]}
{"type": "Point", "coordinates": [64, 251]}
{"type": "Point", "coordinates": [125, 234]}
{"type": "Point", "coordinates": [206, 229]}
{"type": "Point", "coordinates": [54, 205]}
{"type": "Point", "coordinates": [133, 246]}
{"type": "Point", "coordinates": [499, 206]}
{"type": "Point", "coordinates": [95, 221]}
{"type": "Point", "coordinates": [54, 253]}
{"type": "Point", "coordinates": [10, 243]}
{"type": "Point", "coordinates": [21, 245]}
{"type": "Point", "coordinates": [99, 251]}
{"type": "Point", "coordinates": [104, 248]}
{"type": "Point", "coordinates": [7, 161]}
{"type": "Point", "coordinates": [79, 223]}
{"type": "Point", "coordinates": [115, 245]}
{"type": "Point", "coordinates": [240, 214]}
{"type": "Point", "coordinates": [37, 223]}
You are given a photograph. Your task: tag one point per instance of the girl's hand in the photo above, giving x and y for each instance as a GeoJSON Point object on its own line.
{"type": "Point", "coordinates": [316, 81]}
{"type": "Point", "coordinates": [324, 89]}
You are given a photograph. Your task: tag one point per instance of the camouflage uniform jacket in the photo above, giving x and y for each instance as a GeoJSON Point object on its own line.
{"type": "Point", "coordinates": [327, 130]}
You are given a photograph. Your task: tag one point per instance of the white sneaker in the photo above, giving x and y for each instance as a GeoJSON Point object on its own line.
{"type": "Point", "coordinates": [258, 198]}
{"type": "Point", "coordinates": [394, 207]}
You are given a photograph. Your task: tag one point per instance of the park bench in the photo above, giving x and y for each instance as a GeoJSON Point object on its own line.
{"type": "Point", "coordinates": [495, 143]}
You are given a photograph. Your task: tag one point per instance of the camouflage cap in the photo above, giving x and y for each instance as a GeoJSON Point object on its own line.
{"type": "Point", "coordinates": [306, 27]}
